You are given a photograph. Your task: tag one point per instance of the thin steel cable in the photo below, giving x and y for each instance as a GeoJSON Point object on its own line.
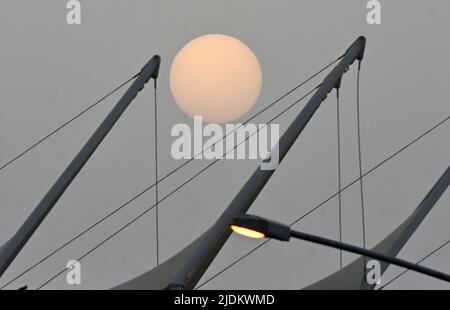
{"type": "Point", "coordinates": [156, 176]}
{"type": "Point", "coordinates": [338, 121]}
{"type": "Point", "coordinates": [53, 132]}
{"type": "Point", "coordinates": [380, 164]}
{"type": "Point", "coordinates": [142, 192]}
{"type": "Point", "coordinates": [361, 186]}
{"type": "Point", "coordinates": [179, 187]}
{"type": "Point", "coordinates": [420, 261]}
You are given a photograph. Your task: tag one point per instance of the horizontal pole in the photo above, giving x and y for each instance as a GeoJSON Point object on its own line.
{"type": "Point", "coordinates": [370, 253]}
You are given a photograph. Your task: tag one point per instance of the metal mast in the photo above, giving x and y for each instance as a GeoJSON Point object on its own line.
{"type": "Point", "coordinates": [11, 248]}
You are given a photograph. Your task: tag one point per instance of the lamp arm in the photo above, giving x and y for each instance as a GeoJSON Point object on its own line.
{"type": "Point", "coordinates": [370, 253]}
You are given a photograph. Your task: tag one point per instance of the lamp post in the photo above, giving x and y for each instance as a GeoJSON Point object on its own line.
{"type": "Point", "coordinates": [257, 227]}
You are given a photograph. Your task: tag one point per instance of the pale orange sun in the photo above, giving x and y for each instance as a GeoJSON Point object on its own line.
{"type": "Point", "coordinates": [217, 77]}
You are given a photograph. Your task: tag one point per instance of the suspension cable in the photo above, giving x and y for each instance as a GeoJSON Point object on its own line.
{"type": "Point", "coordinates": [53, 132]}
{"type": "Point", "coordinates": [361, 187]}
{"type": "Point", "coordinates": [156, 175]}
{"type": "Point", "coordinates": [145, 190]}
{"type": "Point", "coordinates": [339, 171]}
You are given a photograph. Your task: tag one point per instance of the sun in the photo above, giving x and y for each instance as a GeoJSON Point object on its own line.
{"type": "Point", "coordinates": [217, 77]}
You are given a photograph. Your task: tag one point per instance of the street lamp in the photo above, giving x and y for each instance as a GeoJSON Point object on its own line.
{"type": "Point", "coordinates": [258, 227]}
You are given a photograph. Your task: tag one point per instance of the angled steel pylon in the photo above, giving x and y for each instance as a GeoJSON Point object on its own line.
{"type": "Point", "coordinates": [12, 247]}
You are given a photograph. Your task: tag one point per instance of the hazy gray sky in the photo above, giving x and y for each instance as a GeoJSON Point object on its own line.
{"type": "Point", "coordinates": [49, 71]}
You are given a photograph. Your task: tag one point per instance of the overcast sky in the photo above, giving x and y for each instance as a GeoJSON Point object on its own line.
{"type": "Point", "coordinates": [49, 71]}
